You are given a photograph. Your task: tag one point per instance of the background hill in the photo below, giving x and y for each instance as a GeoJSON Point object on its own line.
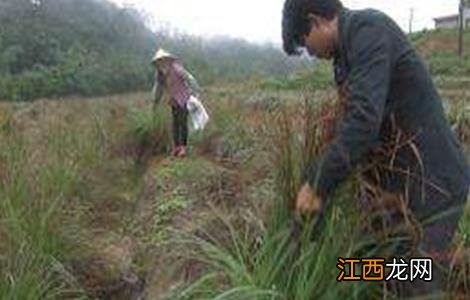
{"type": "Point", "coordinates": [92, 47]}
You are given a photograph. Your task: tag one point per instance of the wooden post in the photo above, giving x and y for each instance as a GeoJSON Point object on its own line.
{"type": "Point", "coordinates": [410, 26]}
{"type": "Point", "coordinates": [461, 20]}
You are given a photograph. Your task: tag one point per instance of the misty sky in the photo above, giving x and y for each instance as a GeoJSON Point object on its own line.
{"type": "Point", "coordinates": [259, 20]}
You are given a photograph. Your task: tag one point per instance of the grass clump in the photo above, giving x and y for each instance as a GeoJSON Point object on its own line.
{"type": "Point", "coordinates": [281, 256]}
{"type": "Point", "coordinates": [148, 134]}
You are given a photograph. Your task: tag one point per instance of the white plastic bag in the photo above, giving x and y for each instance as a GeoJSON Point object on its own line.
{"type": "Point", "coordinates": [198, 113]}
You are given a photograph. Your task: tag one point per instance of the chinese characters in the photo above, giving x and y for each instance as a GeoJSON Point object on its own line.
{"type": "Point", "coordinates": [374, 269]}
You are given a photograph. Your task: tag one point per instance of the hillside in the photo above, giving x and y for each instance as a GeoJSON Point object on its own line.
{"type": "Point", "coordinates": [71, 47]}
{"type": "Point", "coordinates": [439, 49]}
{"type": "Point", "coordinates": [93, 47]}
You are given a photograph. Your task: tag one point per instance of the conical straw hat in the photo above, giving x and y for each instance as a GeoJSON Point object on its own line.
{"type": "Point", "coordinates": [160, 54]}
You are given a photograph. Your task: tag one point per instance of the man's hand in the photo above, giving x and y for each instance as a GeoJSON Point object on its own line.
{"type": "Point", "coordinates": [307, 201]}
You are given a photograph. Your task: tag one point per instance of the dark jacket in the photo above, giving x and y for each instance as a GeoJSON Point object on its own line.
{"type": "Point", "coordinates": [391, 97]}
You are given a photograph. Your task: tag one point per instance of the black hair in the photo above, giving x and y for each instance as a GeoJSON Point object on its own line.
{"type": "Point", "coordinates": [295, 21]}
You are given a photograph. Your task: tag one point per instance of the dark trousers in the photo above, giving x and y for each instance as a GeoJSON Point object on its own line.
{"type": "Point", "coordinates": [437, 219]}
{"type": "Point", "coordinates": [439, 225]}
{"type": "Point", "coordinates": [180, 125]}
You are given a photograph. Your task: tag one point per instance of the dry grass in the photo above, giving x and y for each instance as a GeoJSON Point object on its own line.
{"type": "Point", "coordinates": [109, 222]}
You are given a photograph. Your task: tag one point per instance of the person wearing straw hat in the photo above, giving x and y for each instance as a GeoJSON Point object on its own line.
{"type": "Point", "coordinates": [179, 85]}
